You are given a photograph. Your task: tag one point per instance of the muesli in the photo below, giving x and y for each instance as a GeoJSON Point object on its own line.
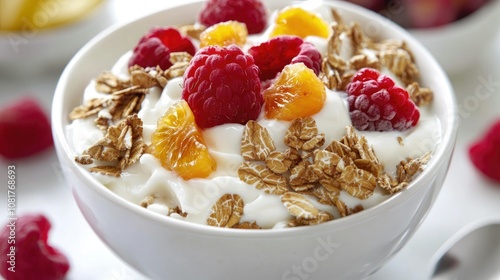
{"type": "Point", "coordinates": [278, 127]}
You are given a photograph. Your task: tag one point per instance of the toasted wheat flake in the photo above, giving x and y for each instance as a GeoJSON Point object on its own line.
{"type": "Point", "coordinates": [148, 200]}
{"type": "Point", "coordinates": [263, 178]}
{"type": "Point", "coordinates": [349, 165]}
{"type": "Point", "coordinates": [91, 107]}
{"type": "Point", "coordinates": [322, 217]}
{"type": "Point", "coordinates": [360, 61]}
{"type": "Point", "coordinates": [401, 141]}
{"type": "Point", "coordinates": [107, 170]}
{"type": "Point", "coordinates": [84, 159]}
{"type": "Point", "coordinates": [177, 210]}
{"type": "Point", "coordinates": [247, 225]}
{"type": "Point", "coordinates": [326, 163]}
{"type": "Point", "coordinates": [227, 211]}
{"type": "Point", "coordinates": [103, 152]}
{"type": "Point", "coordinates": [324, 195]}
{"type": "Point", "coordinates": [299, 206]}
{"type": "Point", "coordinates": [278, 162]}
{"type": "Point", "coordinates": [358, 182]}
{"type": "Point", "coordinates": [301, 131]}
{"type": "Point", "coordinates": [108, 82]}
{"type": "Point", "coordinates": [400, 62]}
{"type": "Point", "coordinates": [420, 96]}
{"type": "Point", "coordinates": [121, 146]}
{"type": "Point", "coordinates": [142, 79]}
{"type": "Point", "coordinates": [406, 171]}
{"type": "Point", "coordinates": [256, 143]}
{"type": "Point", "coordinates": [192, 30]}
{"type": "Point", "coordinates": [303, 174]}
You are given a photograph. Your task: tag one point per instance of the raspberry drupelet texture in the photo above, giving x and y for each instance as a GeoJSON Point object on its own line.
{"type": "Point", "coordinates": [25, 129]}
{"type": "Point", "coordinates": [376, 103]}
{"type": "Point", "coordinates": [34, 258]}
{"type": "Point", "coordinates": [221, 85]}
{"type": "Point", "coordinates": [155, 46]}
{"type": "Point", "coordinates": [250, 12]}
{"type": "Point", "coordinates": [485, 153]}
{"type": "Point", "coordinates": [273, 55]}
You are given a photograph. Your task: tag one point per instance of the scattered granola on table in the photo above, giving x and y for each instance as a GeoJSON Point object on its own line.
{"type": "Point", "coordinates": [315, 123]}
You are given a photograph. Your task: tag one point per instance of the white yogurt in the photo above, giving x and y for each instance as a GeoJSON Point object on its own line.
{"type": "Point", "coordinates": [197, 196]}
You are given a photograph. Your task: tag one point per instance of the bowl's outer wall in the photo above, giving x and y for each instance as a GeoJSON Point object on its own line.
{"type": "Point", "coordinates": [349, 248]}
{"type": "Point", "coordinates": [348, 252]}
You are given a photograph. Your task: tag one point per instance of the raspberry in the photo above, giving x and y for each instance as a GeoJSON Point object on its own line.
{"type": "Point", "coordinates": [250, 12]}
{"type": "Point", "coordinates": [25, 129]}
{"type": "Point", "coordinates": [221, 85]}
{"type": "Point", "coordinates": [155, 46]}
{"type": "Point", "coordinates": [272, 56]}
{"type": "Point", "coordinates": [376, 103]}
{"type": "Point", "coordinates": [24, 249]}
{"type": "Point", "coordinates": [485, 153]}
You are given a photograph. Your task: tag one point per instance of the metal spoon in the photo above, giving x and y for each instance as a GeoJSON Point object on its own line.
{"type": "Point", "coordinates": [475, 256]}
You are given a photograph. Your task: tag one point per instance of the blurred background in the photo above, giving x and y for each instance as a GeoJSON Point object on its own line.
{"type": "Point", "coordinates": [39, 37]}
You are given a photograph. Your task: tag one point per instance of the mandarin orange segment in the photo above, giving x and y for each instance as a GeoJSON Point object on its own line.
{"type": "Point", "coordinates": [224, 34]}
{"type": "Point", "coordinates": [297, 92]}
{"type": "Point", "coordinates": [178, 143]}
{"type": "Point", "coordinates": [299, 22]}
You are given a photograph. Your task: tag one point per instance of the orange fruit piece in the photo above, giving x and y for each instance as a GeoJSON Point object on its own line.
{"type": "Point", "coordinates": [297, 92]}
{"type": "Point", "coordinates": [178, 143]}
{"type": "Point", "coordinates": [224, 34]}
{"type": "Point", "coordinates": [299, 22]}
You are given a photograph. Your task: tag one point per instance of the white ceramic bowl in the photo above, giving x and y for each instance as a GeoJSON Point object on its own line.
{"type": "Point", "coordinates": [459, 45]}
{"type": "Point", "coordinates": [162, 248]}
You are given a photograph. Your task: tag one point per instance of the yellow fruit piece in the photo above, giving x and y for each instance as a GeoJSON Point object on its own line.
{"type": "Point", "coordinates": [299, 22]}
{"type": "Point", "coordinates": [297, 92]}
{"type": "Point", "coordinates": [178, 143]}
{"type": "Point", "coordinates": [224, 34]}
{"type": "Point", "coordinates": [28, 15]}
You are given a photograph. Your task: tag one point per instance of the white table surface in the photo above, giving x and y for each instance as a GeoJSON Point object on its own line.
{"type": "Point", "coordinates": [466, 197]}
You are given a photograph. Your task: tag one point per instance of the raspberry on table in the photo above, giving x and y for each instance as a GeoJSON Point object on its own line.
{"type": "Point", "coordinates": [250, 12]}
{"type": "Point", "coordinates": [25, 129]}
{"type": "Point", "coordinates": [221, 85]}
{"type": "Point", "coordinates": [155, 46]}
{"type": "Point", "coordinates": [376, 103]}
{"type": "Point", "coordinates": [273, 55]}
{"type": "Point", "coordinates": [34, 258]}
{"type": "Point", "coordinates": [485, 153]}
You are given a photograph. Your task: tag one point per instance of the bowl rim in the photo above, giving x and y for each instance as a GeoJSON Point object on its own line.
{"type": "Point", "coordinates": [64, 150]}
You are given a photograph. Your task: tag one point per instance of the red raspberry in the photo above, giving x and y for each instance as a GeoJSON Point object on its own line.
{"type": "Point", "coordinates": [25, 129]}
{"type": "Point", "coordinates": [376, 103]}
{"type": "Point", "coordinates": [221, 85]}
{"type": "Point", "coordinates": [24, 249]}
{"type": "Point", "coordinates": [272, 56]}
{"type": "Point", "coordinates": [250, 12]}
{"type": "Point", "coordinates": [155, 46]}
{"type": "Point", "coordinates": [485, 153]}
